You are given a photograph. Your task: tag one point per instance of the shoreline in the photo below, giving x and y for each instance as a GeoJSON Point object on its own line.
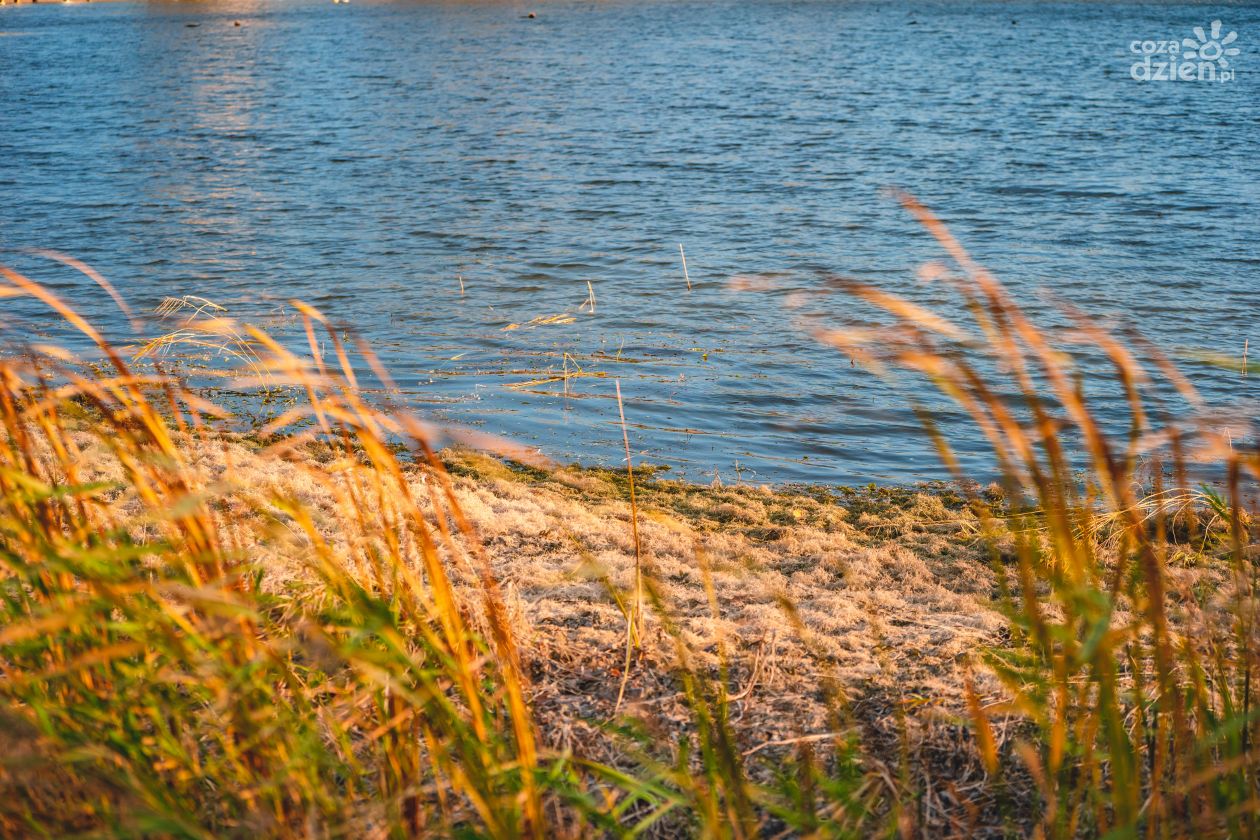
{"type": "Point", "coordinates": [877, 597]}
{"type": "Point", "coordinates": [874, 624]}
{"type": "Point", "coordinates": [846, 557]}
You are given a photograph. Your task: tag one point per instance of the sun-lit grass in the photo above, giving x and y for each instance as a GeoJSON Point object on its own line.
{"type": "Point", "coordinates": [1141, 687]}
{"type": "Point", "coordinates": [157, 684]}
{"type": "Point", "coordinates": [185, 654]}
{"type": "Point", "coordinates": [159, 679]}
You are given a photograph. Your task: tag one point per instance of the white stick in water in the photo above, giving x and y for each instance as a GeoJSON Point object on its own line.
{"type": "Point", "coordinates": [684, 259]}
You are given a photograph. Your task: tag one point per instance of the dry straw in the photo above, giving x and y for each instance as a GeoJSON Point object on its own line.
{"type": "Point", "coordinates": [155, 681]}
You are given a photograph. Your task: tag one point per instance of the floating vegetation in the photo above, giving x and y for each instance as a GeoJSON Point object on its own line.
{"type": "Point", "coordinates": [543, 321]}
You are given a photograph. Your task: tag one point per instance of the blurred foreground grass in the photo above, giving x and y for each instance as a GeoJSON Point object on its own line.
{"type": "Point", "coordinates": [184, 657]}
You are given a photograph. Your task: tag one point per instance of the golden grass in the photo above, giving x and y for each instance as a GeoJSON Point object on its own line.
{"type": "Point", "coordinates": [1141, 687]}
{"type": "Point", "coordinates": [320, 627]}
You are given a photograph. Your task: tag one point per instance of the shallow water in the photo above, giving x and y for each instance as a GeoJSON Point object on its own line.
{"type": "Point", "coordinates": [370, 157]}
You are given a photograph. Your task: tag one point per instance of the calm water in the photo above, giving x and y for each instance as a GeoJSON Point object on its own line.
{"type": "Point", "coordinates": [365, 157]}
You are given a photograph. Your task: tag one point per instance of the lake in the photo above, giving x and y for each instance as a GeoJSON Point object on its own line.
{"type": "Point", "coordinates": [448, 178]}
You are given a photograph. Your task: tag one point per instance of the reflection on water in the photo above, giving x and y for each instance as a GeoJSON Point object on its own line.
{"type": "Point", "coordinates": [449, 177]}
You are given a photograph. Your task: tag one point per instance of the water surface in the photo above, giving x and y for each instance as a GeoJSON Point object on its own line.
{"type": "Point", "coordinates": [368, 158]}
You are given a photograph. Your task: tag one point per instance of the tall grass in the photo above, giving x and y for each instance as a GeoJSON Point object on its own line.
{"type": "Point", "coordinates": [1138, 678]}
{"type": "Point", "coordinates": [152, 682]}
{"type": "Point", "coordinates": [157, 678]}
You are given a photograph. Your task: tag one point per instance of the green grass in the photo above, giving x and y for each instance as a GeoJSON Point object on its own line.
{"type": "Point", "coordinates": [1141, 689]}
{"type": "Point", "coordinates": [156, 682]}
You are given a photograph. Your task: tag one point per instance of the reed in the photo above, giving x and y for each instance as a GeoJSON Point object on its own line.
{"type": "Point", "coordinates": [634, 618]}
{"type": "Point", "coordinates": [152, 677]}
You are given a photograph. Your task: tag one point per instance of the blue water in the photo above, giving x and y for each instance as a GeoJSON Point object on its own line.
{"type": "Point", "coordinates": [366, 157]}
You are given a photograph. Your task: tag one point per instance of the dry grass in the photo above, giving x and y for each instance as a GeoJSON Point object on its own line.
{"type": "Point", "coordinates": [320, 627]}
{"type": "Point", "coordinates": [889, 590]}
{"type": "Point", "coordinates": [1138, 672]}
